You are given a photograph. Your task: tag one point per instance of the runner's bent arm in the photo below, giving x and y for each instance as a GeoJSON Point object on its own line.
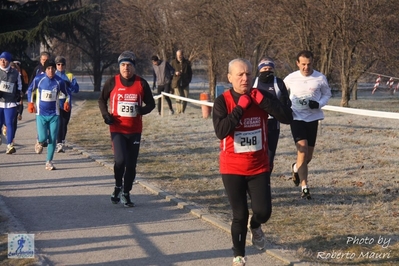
{"type": "Point", "coordinates": [325, 93]}
{"type": "Point", "coordinates": [148, 98]}
{"type": "Point", "coordinates": [223, 122]}
{"type": "Point", "coordinates": [284, 97]}
{"type": "Point", "coordinates": [273, 106]}
{"type": "Point", "coordinates": [104, 96]}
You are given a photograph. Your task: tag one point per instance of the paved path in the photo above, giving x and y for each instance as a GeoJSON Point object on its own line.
{"type": "Point", "coordinates": [74, 222]}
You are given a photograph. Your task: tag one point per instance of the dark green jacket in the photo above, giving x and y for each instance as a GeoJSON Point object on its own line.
{"type": "Point", "coordinates": [184, 68]}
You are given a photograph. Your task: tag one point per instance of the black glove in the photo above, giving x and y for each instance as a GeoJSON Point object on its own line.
{"type": "Point", "coordinates": [108, 119]}
{"type": "Point", "coordinates": [67, 83]}
{"type": "Point", "coordinates": [313, 104]}
{"type": "Point", "coordinates": [153, 86]}
{"type": "Point", "coordinates": [138, 109]}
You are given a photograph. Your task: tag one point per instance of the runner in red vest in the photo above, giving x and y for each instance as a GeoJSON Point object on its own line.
{"type": "Point", "coordinates": [240, 120]}
{"type": "Point", "coordinates": [130, 98]}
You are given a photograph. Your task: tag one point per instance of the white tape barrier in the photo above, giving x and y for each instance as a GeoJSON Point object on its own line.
{"type": "Point", "coordinates": [185, 99]}
{"type": "Point", "coordinates": [361, 112]}
{"type": "Point", "coordinates": [327, 107]}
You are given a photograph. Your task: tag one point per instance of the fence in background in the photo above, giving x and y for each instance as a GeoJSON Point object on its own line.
{"type": "Point", "coordinates": [354, 111]}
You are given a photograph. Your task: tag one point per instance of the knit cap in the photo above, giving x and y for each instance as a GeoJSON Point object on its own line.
{"type": "Point", "coordinates": [60, 59]}
{"type": "Point", "coordinates": [127, 56]}
{"type": "Point", "coordinates": [48, 63]}
{"type": "Point", "coordinates": [265, 62]}
{"type": "Point", "coordinates": [6, 55]}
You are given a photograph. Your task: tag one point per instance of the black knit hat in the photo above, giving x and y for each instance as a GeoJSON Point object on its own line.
{"type": "Point", "coordinates": [48, 63]}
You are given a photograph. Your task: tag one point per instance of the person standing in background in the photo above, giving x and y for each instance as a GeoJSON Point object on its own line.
{"type": "Point", "coordinates": [162, 72]}
{"type": "Point", "coordinates": [130, 98]}
{"type": "Point", "coordinates": [10, 95]}
{"type": "Point", "coordinates": [309, 92]}
{"type": "Point", "coordinates": [267, 81]}
{"type": "Point", "coordinates": [181, 79]}
{"type": "Point", "coordinates": [73, 87]}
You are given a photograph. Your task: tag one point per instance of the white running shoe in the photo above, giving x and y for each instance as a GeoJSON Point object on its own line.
{"type": "Point", "coordinates": [10, 149]}
{"type": "Point", "coordinates": [50, 166]}
{"type": "Point", "coordinates": [239, 261]}
{"type": "Point", "coordinates": [258, 238]}
{"type": "Point", "coordinates": [38, 147]}
{"type": "Point", "coordinates": [59, 148]}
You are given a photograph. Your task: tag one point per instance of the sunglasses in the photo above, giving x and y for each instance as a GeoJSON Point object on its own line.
{"type": "Point", "coordinates": [60, 64]}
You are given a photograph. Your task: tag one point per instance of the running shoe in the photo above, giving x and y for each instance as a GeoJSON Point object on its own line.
{"type": "Point", "coordinates": [59, 148]}
{"type": "Point", "coordinates": [125, 199]}
{"type": "Point", "coordinates": [50, 166]}
{"type": "Point", "coordinates": [258, 238]}
{"type": "Point", "coordinates": [38, 148]}
{"type": "Point", "coordinates": [306, 194]}
{"type": "Point", "coordinates": [295, 176]}
{"type": "Point", "coordinates": [115, 196]}
{"type": "Point", "coordinates": [10, 149]}
{"type": "Point", "coordinates": [239, 261]}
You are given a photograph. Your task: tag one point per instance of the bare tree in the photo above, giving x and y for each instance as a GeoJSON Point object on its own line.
{"type": "Point", "coordinates": [344, 35]}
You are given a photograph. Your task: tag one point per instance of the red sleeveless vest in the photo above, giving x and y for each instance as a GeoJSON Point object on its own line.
{"type": "Point", "coordinates": [122, 105]}
{"type": "Point", "coordinates": [244, 151]}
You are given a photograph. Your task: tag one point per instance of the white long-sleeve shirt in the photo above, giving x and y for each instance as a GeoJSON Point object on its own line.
{"type": "Point", "coordinates": [304, 88]}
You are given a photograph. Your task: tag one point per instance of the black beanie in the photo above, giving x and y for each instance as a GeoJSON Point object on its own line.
{"type": "Point", "coordinates": [48, 63]}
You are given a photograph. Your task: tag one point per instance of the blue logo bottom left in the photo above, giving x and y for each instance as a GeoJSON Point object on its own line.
{"type": "Point", "coordinates": [21, 246]}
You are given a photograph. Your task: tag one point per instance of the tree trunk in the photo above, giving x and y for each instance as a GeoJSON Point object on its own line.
{"type": "Point", "coordinates": [97, 75]}
{"type": "Point", "coordinates": [212, 71]}
{"type": "Point", "coordinates": [345, 96]}
{"type": "Point", "coordinates": [354, 92]}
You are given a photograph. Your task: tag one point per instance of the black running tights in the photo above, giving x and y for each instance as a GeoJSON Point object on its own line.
{"type": "Point", "coordinates": [258, 188]}
{"type": "Point", "coordinates": [126, 151]}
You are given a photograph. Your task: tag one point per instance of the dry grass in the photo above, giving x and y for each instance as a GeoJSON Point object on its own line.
{"type": "Point", "coordinates": [353, 178]}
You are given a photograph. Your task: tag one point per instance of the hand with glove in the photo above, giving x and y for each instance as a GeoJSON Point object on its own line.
{"type": "Point", "coordinates": [108, 119]}
{"type": "Point", "coordinates": [31, 108]}
{"type": "Point", "coordinates": [256, 96]}
{"type": "Point", "coordinates": [67, 108]}
{"type": "Point", "coordinates": [244, 102]}
{"type": "Point", "coordinates": [313, 104]}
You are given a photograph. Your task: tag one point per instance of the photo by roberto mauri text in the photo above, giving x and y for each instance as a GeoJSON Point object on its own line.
{"type": "Point", "coordinates": [382, 242]}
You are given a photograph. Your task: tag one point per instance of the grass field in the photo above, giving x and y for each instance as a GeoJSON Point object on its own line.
{"type": "Point", "coordinates": [353, 177]}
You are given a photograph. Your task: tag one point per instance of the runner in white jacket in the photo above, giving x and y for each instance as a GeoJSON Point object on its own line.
{"type": "Point", "coordinates": [309, 92]}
